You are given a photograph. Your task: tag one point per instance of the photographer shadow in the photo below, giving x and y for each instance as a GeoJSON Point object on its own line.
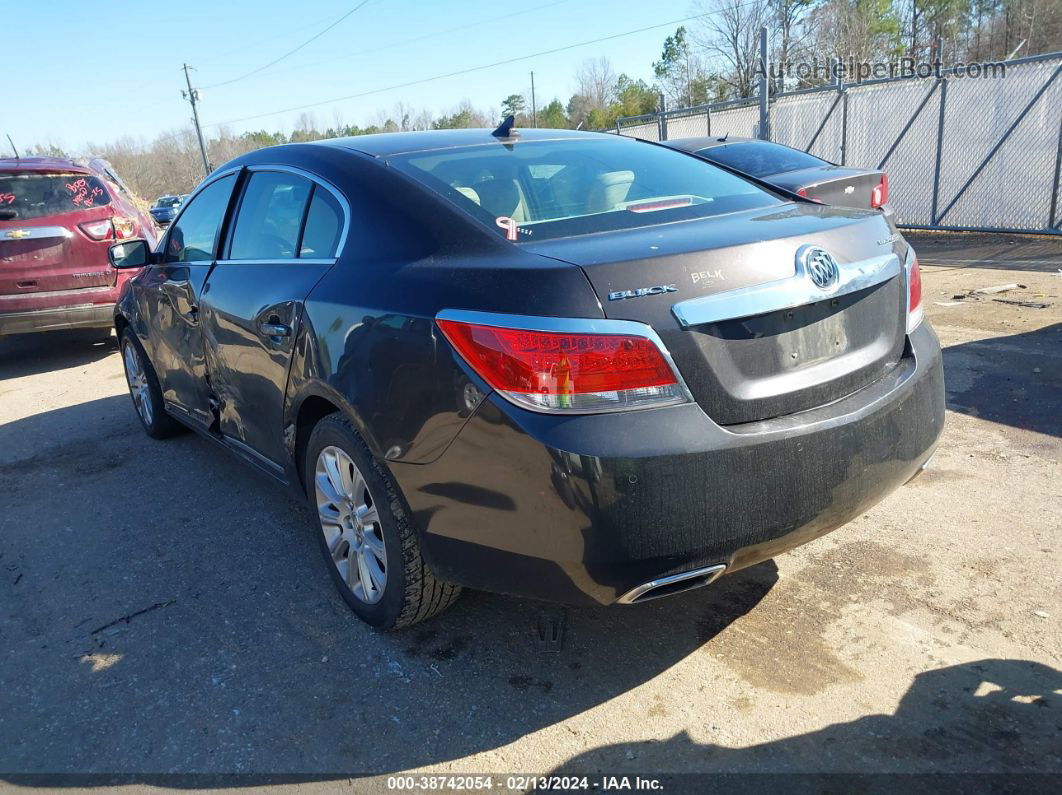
{"type": "Point", "coordinates": [976, 720]}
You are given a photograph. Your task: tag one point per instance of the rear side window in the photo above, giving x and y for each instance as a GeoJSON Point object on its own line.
{"type": "Point", "coordinates": [24, 196]}
{"type": "Point", "coordinates": [759, 159]}
{"type": "Point", "coordinates": [324, 225]}
{"type": "Point", "coordinates": [537, 190]}
{"type": "Point", "coordinates": [270, 214]}
{"type": "Point", "coordinates": [193, 237]}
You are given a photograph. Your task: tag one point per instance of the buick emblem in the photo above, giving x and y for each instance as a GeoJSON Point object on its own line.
{"type": "Point", "coordinates": [819, 266]}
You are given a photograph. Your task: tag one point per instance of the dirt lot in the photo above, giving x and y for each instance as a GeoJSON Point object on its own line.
{"type": "Point", "coordinates": [923, 637]}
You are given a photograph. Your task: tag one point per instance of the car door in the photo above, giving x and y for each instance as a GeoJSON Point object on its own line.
{"type": "Point", "coordinates": [284, 237]}
{"type": "Point", "coordinates": [169, 294]}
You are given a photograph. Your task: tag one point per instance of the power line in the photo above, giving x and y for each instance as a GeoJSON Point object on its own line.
{"type": "Point", "coordinates": [434, 34]}
{"type": "Point", "coordinates": [459, 72]}
{"type": "Point", "coordinates": [291, 51]}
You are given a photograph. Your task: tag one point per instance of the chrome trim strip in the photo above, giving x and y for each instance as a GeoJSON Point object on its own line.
{"type": "Point", "coordinates": [787, 293]}
{"type": "Point", "coordinates": [35, 233]}
{"type": "Point", "coordinates": [75, 291]}
{"type": "Point", "coordinates": [278, 261]}
{"type": "Point", "coordinates": [712, 573]}
{"type": "Point", "coordinates": [572, 325]}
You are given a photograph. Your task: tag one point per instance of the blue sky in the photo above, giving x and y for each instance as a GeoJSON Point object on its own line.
{"type": "Point", "coordinates": [123, 78]}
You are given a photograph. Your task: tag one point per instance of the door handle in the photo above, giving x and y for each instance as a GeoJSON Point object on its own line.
{"type": "Point", "coordinates": [274, 329]}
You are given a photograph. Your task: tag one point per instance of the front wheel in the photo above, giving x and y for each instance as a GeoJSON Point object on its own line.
{"type": "Point", "coordinates": [369, 544]}
{"type": "Point", "coordinates": [144, 389]}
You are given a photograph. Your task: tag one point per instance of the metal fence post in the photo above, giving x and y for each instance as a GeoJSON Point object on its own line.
{"type": "Point", "coordinates": [844, 127]}
{"type": "Point", "coordinates": [1058, 173]}
{"type": "Point", "coordinates": [708, 118]}
{"type": "Point", "coordinates": [765, 119]}
{"type": "Point", "coordinates": [940, 148]}
{"type": "Point", "coordinates": [661, 119]}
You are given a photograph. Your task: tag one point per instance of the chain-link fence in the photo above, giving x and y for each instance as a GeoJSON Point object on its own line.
{"type": "Point", "coordinates": [961, 152]}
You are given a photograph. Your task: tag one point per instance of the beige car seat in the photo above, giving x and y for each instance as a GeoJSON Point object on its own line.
{"type": "Point", "coordinates": [610, 188]}
{"type": "Point", "coordinates": [502, 196]}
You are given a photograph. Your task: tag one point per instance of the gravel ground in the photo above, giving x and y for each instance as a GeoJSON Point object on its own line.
{"type": "Point", "coordinates": [922, 638]}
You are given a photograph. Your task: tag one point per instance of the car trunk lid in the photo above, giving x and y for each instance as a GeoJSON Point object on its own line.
{"type": "Point", "coordinates": [47, 222]}
{"type": "Point", "coordinates": [701, 286]}
{"type": "Point", "coordinates": [837, 185]}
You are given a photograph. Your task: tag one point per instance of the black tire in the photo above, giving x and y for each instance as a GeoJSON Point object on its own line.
{"type": "Point", "coordinates": [411, 593]}
{"type": "Point", "coordinates": [157, 423]}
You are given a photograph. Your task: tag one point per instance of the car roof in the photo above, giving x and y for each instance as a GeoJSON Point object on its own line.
{"type": "Point", "coordinates": [387, 144]}
{"type": "Point", "coordinates": [43, 164]}
{"type": "Point", "coordinates": [705, 142]}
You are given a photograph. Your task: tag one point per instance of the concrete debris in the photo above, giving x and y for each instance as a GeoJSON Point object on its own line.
{"type": "Point", "coordinates": [1026, 304]}
{"type": "Point", "coordinates": [1001, 288]}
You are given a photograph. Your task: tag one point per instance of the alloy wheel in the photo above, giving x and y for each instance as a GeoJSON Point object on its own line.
{"type": "Point", "coordinates": [138, 383]}
{"type": "Point", "coordinates": [351, 524]}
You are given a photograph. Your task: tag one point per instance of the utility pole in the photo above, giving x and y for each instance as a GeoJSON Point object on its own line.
{"type": "Point", "coordinates": [534, 108]}
{"type": "Point", "coordinates": [192, 95]}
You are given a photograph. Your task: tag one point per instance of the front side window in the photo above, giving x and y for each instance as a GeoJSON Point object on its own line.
{"type": "Point", "coordinates": [270, 215]}
{"type": "Point", "coordinates": [25, 196]}
{"type": "Point", "coordinates": [538, 190]}
{"type": "Point", "coordinates": [193, 237]}
{"type": "Point", "coordinates": [760, 158]}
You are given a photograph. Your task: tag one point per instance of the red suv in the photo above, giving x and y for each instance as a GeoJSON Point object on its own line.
{"type": "Point", "coordinates": [57, 219]}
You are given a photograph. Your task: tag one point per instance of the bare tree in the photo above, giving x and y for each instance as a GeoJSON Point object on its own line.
{"type": "Point", "coordinates": [596, 80]}
{"type": "Point", "coordinates": [729, 35]}
{"type": "Point", "coordinates": [787, 18]}
{"type": "Point", "coordinates": [862, 31]}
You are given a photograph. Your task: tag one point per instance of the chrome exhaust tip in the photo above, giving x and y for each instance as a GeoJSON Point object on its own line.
{"type": "Point", "coordinates": [672, 584]}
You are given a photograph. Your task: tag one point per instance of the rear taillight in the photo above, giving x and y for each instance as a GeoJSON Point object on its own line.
{"type": "Point", "coordinates": [98, 230]}
{"type": "Point", "coordinates": [914, 292]}
{"type": "Point", "coordinates": [617, 365]}
{"type": "Point", "coordinates": [124, 228]}
{"type": "Point", "coordinates": [804, 192]}
{"type": "Point", "coordinates": [880, 194]}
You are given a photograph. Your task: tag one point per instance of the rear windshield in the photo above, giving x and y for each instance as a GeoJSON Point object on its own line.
{"type": "Point", "coordinates": [539, 190]}
{"type": "Point", "coordinates": [760, 158]}
{"type": "Point", "coordinates": [24, 196]}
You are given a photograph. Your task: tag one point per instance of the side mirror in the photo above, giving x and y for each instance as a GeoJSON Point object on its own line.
{"type": "Point", "coordinates": [130, 254]}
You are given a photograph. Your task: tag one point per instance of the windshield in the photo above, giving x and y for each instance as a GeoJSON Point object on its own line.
{"type": "Point", "coordinates": [538, 190]}
{"type": "Point", "coordinates": [24, 196]}
{"type": "Point", "coordinates": [760, 158]}
{"type": "Point", "coordinates": [168, 201]}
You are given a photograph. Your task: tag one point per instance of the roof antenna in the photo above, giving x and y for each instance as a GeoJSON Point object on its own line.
{"type": "Point", "coordinates": [505, 129]}
{"type": "Point", "coordinates": [723, 139]}
{"type": "Point", "coordinates": [13, 149]}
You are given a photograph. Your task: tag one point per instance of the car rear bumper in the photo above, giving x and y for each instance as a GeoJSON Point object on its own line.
{"type": "Point", "coordinates": [57, 318]}
{"type": "Point", "coordinates": [583, 509]}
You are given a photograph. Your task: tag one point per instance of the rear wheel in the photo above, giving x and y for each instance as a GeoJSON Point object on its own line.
{"type": "Point", "coordinates": [368, 542]}
{"type": "Point", "coordinates": [144, 389]}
